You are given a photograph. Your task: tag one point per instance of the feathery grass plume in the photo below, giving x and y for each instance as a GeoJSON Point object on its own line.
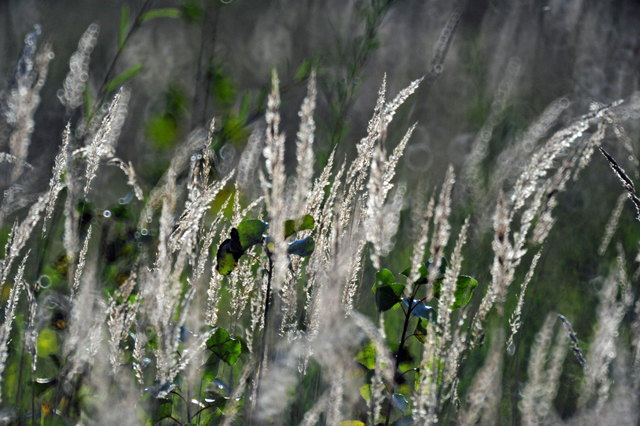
{"type": "Point", "coordinates": [130, 173]}
{"type": "Point", "coordinates": [542, 160]}
{"type": "Point", "coordinates": [543, 374]}
{"type": "Point", "coordinates": [355, 277]}
{"type": "Point", "coordinates": [31, 332]}
{"type": "Point", "coordinates": [24, 97]}
{"type": "Point", "coordinates": [502, 250]}
{"type": "Point", "coordinates": [121, 313]}
{"type": "Point", "coordinates": [448, 288]}
{"type": "Point", "coordinates": [379, 229]}
{"type": "Point", "coordinates": [376, 131]}
{"type": "Point", "coordinates": [56, 184]}
{"type": "Point", "coordinates": [571, 166]}
{"type": "Point", "coordinates": [486, 389]}
{"type": "Point", "coordinates": [206, 244]}
{"type": "Point", "coordinates": [138, 354]}
{"type": "Point", "coordinates": [77, 274]}
{"type": "Point", "coordinates": [420, 245]}
{"type": "Point", "coordinates": [425, 405]}
{"type": "Point", "coordinates": [85, 328]}
{"type": "Point", "coordinates": [612, 224]}
{"type": "Point", "coordinates": [615, 299]}
{"type": "Point", "coordinates": [625, 180]}
{"type": "Point", "coordinates": [441, 228]}
{"type": "Point", "coordinates": [575, 344]}
{"type": "Point", "coordinates": [273, 184]}
{"type": "Point", "coordinates": [196, 141]}
{"type": "Point", "coordinates": [317, 194]}
{"type": "Point", "coordinates": [514, 321]}
{"type": "Point", "coordinates": [212, 297]}
{"type": "Point", "coordinates": [76, 80]}
{"type": "Point", "coordinates": [9, 316]}
{"type": "Point", "coordinates": [304, 144]}
{"type": "Point", "coordinates": [20, 235]}
{"type": "Point", "coordinates": [185, 235]}
{"type": "Point", "coordinates": [103, 143]}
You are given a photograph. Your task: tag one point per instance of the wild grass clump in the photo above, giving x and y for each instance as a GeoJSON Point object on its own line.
{"type": "Point", "coordinates": [266, 293]}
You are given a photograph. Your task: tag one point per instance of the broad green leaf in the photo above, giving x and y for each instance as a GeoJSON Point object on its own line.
{"type": "Point", "coordinates": [367, 356]}
{"type": "Point", "coordinates": [418, 308]}
{"type": "Point", "coordinates": [292, 226]}
{"type": "Point", "coordinates": [124, 24]}
{"type": "Point", "coordinates": [225, 347]}
{"type": "Point", "coordinates": [120, 79]}
{"type": "Point", "coordinates": [365, 392]}
{"type": "Point", "coordinates": [464, 290]}
{"type": "Point", "coordinates": [211, 368]}
{"type": "Point", "coordinates": [400, 402]}
{"type": "Point", "coordinates": [386, 290]}
{"type": "Point", "coordinates": [250, 232]}
{"type": "Point", "coordinates": [351, 423]}
{"type": "Point", "coordinates": [169, 12]}
{"type": "Point", "coordinates": [303, 247]}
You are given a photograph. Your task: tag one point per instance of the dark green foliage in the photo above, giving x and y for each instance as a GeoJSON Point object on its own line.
{"type": "Point", "coordinates": [386, 290]}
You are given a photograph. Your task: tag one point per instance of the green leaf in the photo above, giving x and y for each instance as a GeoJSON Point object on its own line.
{"type": "Point", "coordinates": [303, 70]}
{"type": "Point", "coordinates": [124, 24]}
{"type": "Point", "coordinates": [229, 252]}
{"type": "Point", "coordinates": [365, 392]}
{"type": "Point", "coordinates": [120, 79]}
{"type": "Point", "coordinates": [292, 226]}
{"type": "Point", "coordinates": [386, 290]}
{"type": "Point", "coordinates": [227, 348]}
{"type": "Point", "coordinates": [351, 423]}
{"type": "Point", "coordinates": [169, 12]}
{"type": "Point", "coordinates": [211, 368]}
{"type": "Point", "coordinates": [250, 232]}
{"type": "Point", "coordinates": [464, 290]}
{"type": "Point", "coordinates": [367, 356]}
{"type": "Point", "coordinates": [303, 247]}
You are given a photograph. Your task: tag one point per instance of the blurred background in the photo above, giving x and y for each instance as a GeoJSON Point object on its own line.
{"type": "Point", "coordinates": [505, 63]}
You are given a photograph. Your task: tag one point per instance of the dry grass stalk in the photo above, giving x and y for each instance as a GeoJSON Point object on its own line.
{"type": "Point", "coordinates": [625, 180]}
{"type": "Point", "coordinates": [615, 299]}
{"type": "Point", "coordinates": [514, 321]}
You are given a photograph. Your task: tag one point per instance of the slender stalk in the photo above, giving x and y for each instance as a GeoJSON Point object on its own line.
{"type": "Point", "coordinates": [263, 344]}
{"type": "Point", "coordinates": [407, 317]}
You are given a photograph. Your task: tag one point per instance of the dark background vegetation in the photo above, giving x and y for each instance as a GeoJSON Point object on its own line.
{"type": "Point", "coordinates": [583, 50]}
